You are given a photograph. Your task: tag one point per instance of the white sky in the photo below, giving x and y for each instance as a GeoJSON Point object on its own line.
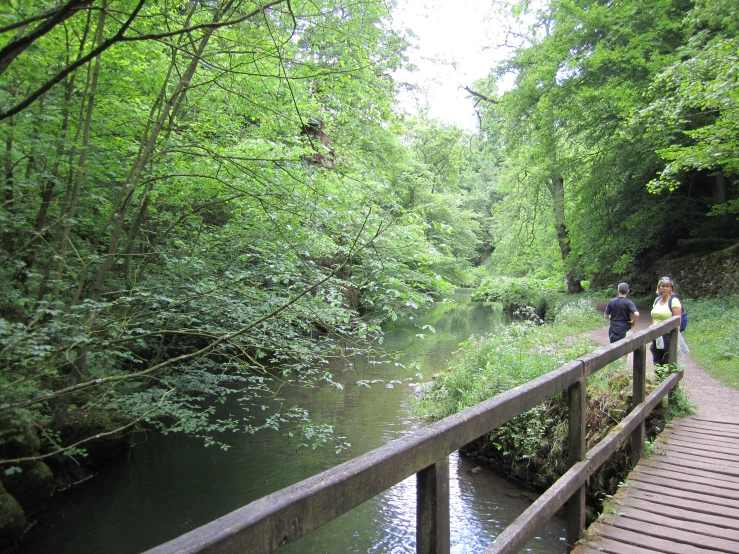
{"type": "Point", "coordinates": [461, 35]}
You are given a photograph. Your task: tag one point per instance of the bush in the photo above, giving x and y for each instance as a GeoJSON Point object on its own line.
{"type": "Point", "coordinates": [519, 292]}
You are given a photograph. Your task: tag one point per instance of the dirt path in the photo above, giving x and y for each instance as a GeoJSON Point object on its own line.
{"type": "Point", "coordinates": [712, 397]}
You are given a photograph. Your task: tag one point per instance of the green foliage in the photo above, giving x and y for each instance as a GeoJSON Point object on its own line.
{"type": "Point", "coordinates": [209, 209]}
{"type": "Point", "coordinates": [519, 292]}
{"type": "Point", "coordinates": [713, 337]}
{"type": "Point", "coordinates": [532, 446]}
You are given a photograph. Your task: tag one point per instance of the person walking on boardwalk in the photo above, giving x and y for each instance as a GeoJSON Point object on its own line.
{"type": "Point", "coordinates": [622, 313]}
{"type": "Point", "coordinates": [665, 306]}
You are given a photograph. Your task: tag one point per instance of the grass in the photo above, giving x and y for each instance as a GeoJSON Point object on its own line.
{"type": "Point", "coordinates": [713, 336]}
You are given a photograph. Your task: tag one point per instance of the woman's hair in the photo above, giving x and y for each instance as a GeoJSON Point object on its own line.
{"type": "Point", "coordinates": [666, 281]}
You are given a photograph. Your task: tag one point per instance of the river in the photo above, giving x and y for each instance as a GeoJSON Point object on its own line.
{"type": "Point", "coordinates": [168, 485]}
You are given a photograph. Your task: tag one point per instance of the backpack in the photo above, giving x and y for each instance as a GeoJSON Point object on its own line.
{"type": "Point", "coordinates": [683, 317]}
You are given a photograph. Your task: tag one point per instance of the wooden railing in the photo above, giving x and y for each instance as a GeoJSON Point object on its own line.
{"type": "Point", "coordinates": [286, 515]}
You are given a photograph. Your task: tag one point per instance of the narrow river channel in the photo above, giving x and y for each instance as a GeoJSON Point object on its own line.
{"type": "Point", "coordinates": [171, 484]}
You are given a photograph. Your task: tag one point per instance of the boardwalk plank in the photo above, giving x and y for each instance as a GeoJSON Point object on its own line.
{"type": "Point", "coordinates": [718, 419]}
{"type": "Point", "coordinates": [672, 534]}
{"type": "Point", "coordinates": [697, 434]}
{"type": "Point", "coordinates": [699, 440]}
{"type": "Point", "coordinates": [727, 468]}
{"type": "Point", "coordinates": [687, 486]}
{"type": "Point", "coordinates": [706, 454]}
{"type": "Point", "coordinates": [687, 495]}
{"type": "Point", "coordinates": [662, 465]}
{"type": "Point", "coordinates": [708, 427]}
{"type": "Point", "coordinates": [703, 446]}
{"type": "Point", "coordinates": [686, 478]}
{"type": "Point", "coordinates": [678, 513]}
{"type": "Point", "coordinates": [602, 544]}
{"type": "Point", "coordinates": [646, 541]}
{"type": "Point", "coordinates": [677, 502]}
{"type": "Point", "coordinates": [703, 466]}
{"type": "Point", "coordinates": [665, 520]}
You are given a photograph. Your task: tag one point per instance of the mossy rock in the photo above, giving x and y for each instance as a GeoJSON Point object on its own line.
{"type": "Point", "coordinates": [12, 518]}
{"type": "Point", "coordinates": [18, 442]}
{"type": "Point", "coordinates": [85, 424]}
{"type": "Point", "coordinates": [33, 484]}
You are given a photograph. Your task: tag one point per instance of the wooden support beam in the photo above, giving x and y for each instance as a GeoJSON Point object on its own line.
{"type": "Point", "coordinates": [577, 411]}
{"type": "Point", "coordinates": [432, 511]}
{"type": "Point", "coordinates": [638, 395]}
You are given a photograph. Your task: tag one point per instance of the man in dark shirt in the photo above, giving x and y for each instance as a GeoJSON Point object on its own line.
{"type": "Point", "coordinates": [622, 313]}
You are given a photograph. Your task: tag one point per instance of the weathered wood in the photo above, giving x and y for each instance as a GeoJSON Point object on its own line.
{"type": "Point", "coordinates": [705, 446]}
{"type": "Point", "coordinates": [680, 514]}
{"type": "Point", "coordinates": [664, 465]}
{"type": "Point", "coordinates": [639, 391]}
{"type": "Point", "coordinates": [666, 480]}
{"type": "Point", "coordinates": [614, 547]}
{"type": "Point", "coordinates": [670, 492]}
{"type": "Point", "coordinates": [675, 502]}
{"type": "Point", "coordinates": [667, 521]}
{"type": "Point", "coordinates": [703, 453]}
{"type": "Point", "coordinates": [432, 509]}
{"type": "Point", "coordinates": [576, 448]}
{"type": "Point", "coordinates": [638, 539]}
{"type": "Point", "coordinates": [671, 534]}
{"type": "Point", "coordinates": [690, 478]}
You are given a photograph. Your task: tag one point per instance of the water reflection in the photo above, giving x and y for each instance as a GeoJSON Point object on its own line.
{"type": "Point", "coordinates": [170, 485]}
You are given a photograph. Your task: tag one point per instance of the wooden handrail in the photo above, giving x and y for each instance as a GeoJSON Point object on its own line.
{"type": "Point", "coordinates": [286, 515]}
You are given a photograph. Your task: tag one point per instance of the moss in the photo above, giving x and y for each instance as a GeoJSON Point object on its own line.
{"type": "Point", "coordinates": [86, 424]}
{"type": "Point", "coordinates": [12, 518]}
{"type": "Point", "coordinates": [31, 485]}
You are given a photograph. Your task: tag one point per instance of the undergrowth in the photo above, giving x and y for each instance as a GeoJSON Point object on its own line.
{"type": "Point", "coordinates": [533, 446]}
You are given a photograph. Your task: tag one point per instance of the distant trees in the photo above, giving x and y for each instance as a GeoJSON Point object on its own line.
{"type": "Point", "coordinates": [604, 94]}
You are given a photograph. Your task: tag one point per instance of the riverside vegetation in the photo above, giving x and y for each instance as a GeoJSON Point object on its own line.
{"type": "Point", "coordinates": [206, 200]}
{"type": "Point", "coordinates": [532, 448]}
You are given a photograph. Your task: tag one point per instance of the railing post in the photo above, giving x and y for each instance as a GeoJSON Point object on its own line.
{"type": "Point", "coordinates": [577, 400]}
{"type": "Point", "coordinates": [639, 393]}
{"type": "Point", "coordinates": [432, 509]}
{"type": "Point", "coordinates": [673, 357]}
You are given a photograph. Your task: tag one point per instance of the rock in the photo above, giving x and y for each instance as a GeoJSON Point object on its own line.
{"type": "Point", "coordinates": [389, 386]}
{"type": "Point", "coordinates": [12, 518]}
{"type": "Point", "coordinates": [477, 469]}
{"type": "Point", "coordinates": [32, 485]}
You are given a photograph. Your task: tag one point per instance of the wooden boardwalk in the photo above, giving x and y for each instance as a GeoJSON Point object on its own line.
{"type": "Point", "coordinates": [681, 498]}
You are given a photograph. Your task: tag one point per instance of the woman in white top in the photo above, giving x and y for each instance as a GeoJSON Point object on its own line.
{"type": "Point", "coordinates": [664, 309]}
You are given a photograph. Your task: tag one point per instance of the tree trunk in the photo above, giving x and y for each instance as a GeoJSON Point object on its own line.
{"type": "Point", "coordinates": [558, 197]}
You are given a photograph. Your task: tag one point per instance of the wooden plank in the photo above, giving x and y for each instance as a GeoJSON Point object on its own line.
{"type": "Point", "coordinates": [685, 478]}
{"type": "Point", "coordinates": [718, 419]}
{"type": "Point", "coordinates": [603, 544]}
{"type": "Point", "coordinates": [432, 509]}
{"type": "Point", "coordinates": [638, 539]}
{"type": "Point", "coordinates": [706, 427]}
{"type": "Point", "coordinates": [703, 447]}
{"type": "Point", "coordinates": [665, 520]}
{"type": "Point", "coordinates": [663, 465]}
{"type": "Point", "coordinates": [699, 440]}
{"type": "Point", "coordinates": [676, 502]}
{"type": "Point", "coordinates": [696, 434]}
{"type": "Point", "coordinates": [635, 478]}
{"type": "Point", "coordinates": [682, 514]}
{"type": "Point", "coordinates": [700, 453]}
{"type": "Point", "coordinates": [731, 502]}
{"type": "Point", "coordinates": [576, 448]}
{"type": "Point", "coordinates": [672, 534]}
{"type": "Point", "coordinates": [718, 466]}
{"type": "Point", "coordinates": [703, 466]}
